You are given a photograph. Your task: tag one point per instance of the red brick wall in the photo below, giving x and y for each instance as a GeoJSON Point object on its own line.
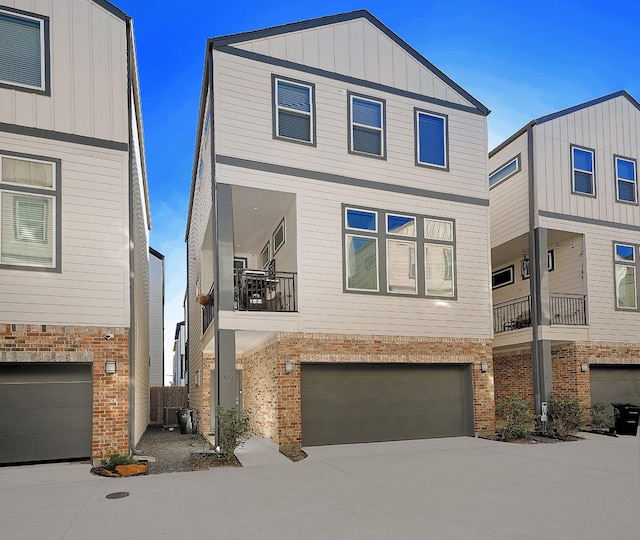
{"type": "Point", "coordinates": [266, 385]}
{"type": "Point", "coordinates": [513, 375]}
{"type": "Point", "coordinates": [50, 343]}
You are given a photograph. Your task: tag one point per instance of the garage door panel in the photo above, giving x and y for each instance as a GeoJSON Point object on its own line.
{"type": "Point", "coordinates": [46, 412]}
{"type": "Point", "coordinates": [349, 403]}
{"type": "Point", "coordinates": [615, 384]}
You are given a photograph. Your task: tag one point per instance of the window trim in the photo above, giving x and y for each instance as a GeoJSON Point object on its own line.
{"type": "Point", "coordinates": [551, 264]}
{"type": "Point", "coordinates": [517, 159]}
{"type": "Point", "coordinates": [267, 248]}
{"type": "Point", "coordinates": [381, 237]}
{"type": "Point", "coordinates": [397, 214]}
{"type": "Point", "coordinates": [275, 108]}
{"type": "Point", "coordinates": [634, 264]}
{"type": "Point", "coordinates": [416, 115]}
{"type": "Point", "coordinates": [617, 158]}
{"type": "Point", "coordinates": [346, 263]}
{"type": "Point", "coordinates": [511, 270]}
{"type": "Point", "coordinates": [593, 193]}
{"type": "Point", "coordinates": [54, 193]}
{"type": "Point", "coordinates": [45, 54]}
{"type": "Point", "coordinates": [357, 209]}
{"type": "Point", "coordinates": [276, 248]}
{"type": "Point", "coordinates": [383, 121]}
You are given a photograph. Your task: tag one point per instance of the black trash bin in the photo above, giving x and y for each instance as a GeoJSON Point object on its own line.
{"type": "Point", "coordinates": [184, 419]}
{"type": "Point", "coordinates": [627, 416]}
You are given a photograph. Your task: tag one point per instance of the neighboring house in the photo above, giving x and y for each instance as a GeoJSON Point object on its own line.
{"type": "Point", "coordinates": [565, 234]}
{"type": "Point", "coordinates": [156, 318]}
{"type": "Point", "coordinates": [74, 220]}
{"type": "Point", "coordinates": [339, 287]}
{"type": "Point", "coordinates": [179, 356]}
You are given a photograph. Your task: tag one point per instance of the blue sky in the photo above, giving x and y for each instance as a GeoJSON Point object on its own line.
{"type": "Point", "coordinates": [520, 59]}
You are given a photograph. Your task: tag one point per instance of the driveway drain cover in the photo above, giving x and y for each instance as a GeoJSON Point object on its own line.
{"type": "Point", "coordinates": [117, 495]}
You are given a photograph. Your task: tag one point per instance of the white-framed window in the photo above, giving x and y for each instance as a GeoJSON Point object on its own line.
{"type": "Point", "coordinates": [502, 277]}
{"type": "Point", "coordinates": [240, 263]}
{"type": "Point", "coordinates": [431, 139]}
{"type": "Point", "coordinates": [626, 190]}
{"type": "Point", "coordinates": [626, 275]}
{"type": "Point", "coordinates": [278, 237]}
{"type": "Point", "coordinates": [265, 255]}
{"type": "Point", "coordinates": [23, 50]}
{"type": "Point", "coordinates": [507, 170]}
{"type": "Point", "coordinates": [29, 220]}
{"type": "Point", "coordinates": [366, 126]}
{"type": "Point", "coordinates": [583, 171]}
{"type": "Point", "coordinates": [293, 103]}
{"type": "Point", "coordinates": [551, 264]}
{"type": "Point", "coordinates": [407, 255]}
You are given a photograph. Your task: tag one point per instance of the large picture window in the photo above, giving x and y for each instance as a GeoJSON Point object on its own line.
{"type": "Point", "coordinates": [405, 255]}
{"type": "Point", "coordinates": [626, 276]}
{"type": "Point", "coordinates": [23, 50]}
{"type": "Point", "coordinates": [293, 110]}
{"type": "Point", "coordinates": [29, 220]}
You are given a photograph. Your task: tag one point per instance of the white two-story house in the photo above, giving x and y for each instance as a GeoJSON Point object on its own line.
{"type": "Point", "coordinates": [565, 236]}
{"type": "Point", "coordinates": [338, 239]}
{"type": "Point", "coordinates": [74, 221]}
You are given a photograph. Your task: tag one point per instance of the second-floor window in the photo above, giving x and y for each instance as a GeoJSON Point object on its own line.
{"type": "Point", "coordinates": [293, 110]}
{"type": "Point", "coordinates": [507, 170]}
{"type": "Point", "coordinates": [28, 226]}
{"type": "Point", "coordinates": [626, 180]}
{"type": "Point", "coordinates": [431, 139]}
{"type": "Point", "coordinates": [23, 50]}
{"type": "Point", "coordinates": [366, 126]}
{"type": "Point", "coordinates": [626, 275]}
{"type": "Point", "coordinates": [583, 171]}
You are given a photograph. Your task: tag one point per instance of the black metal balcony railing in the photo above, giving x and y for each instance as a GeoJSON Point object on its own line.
{"type": "Point", "coordinates": [264, 290]}
{"type": "Point", "coordinates": [207, 311]}
{"type": "Point", "coordinates": [569, 309]}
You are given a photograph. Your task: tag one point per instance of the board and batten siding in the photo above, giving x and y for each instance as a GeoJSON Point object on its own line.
{"type": "Point", "coordinates": [357, 49]}
{"type": "Point", "coordinates": [93, 287]}
{"type": "Point", "coordinates": [88, 73]}
{"type": "Point", "coordinates": [325, 307]}
{"type": "Point", "coordinates": [509, 199]}
{"type": "Point", "coordinates": [243, 112]}
{"type": "Point", "coordinates": [606, 323]}
{"type": "Point", "coordinates": [156, 320]}
{"type": "Point", "coordinates": [610, 128]}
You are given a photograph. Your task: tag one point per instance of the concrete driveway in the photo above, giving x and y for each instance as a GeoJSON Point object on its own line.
{"type": "Point", "coordinates": [447, 488]}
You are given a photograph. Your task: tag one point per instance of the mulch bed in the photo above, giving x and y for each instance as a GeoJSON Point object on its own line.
{"type": "Point", "coordinates": [533, 439]}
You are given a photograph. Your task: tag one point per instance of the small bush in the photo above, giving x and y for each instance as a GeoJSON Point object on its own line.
{"type": "Point", "coordinates": [233, 429]}
{"type": "Point", "coordinates": [565, 414]}
{"type": "Point", "coordinates": [516, 414]}
{"type": "Point", "coordinates": [115, 460]}
{"type": "Point", "coordinates": [601, 416]}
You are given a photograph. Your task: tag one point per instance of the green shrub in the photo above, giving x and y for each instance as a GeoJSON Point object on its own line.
{"type": "Point", "coordinates": [601, 416]}
{"type": "Point", "coordinates": [565, 415]}
{"type": "Point", "coordinates": [115, 460]}
{"type": "Point", "coordinates": [233, 429]}
{"type": "Point", "coordinates": [517, 417]}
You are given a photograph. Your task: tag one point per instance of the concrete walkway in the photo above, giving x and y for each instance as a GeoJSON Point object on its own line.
{"type": "Point", "coordinates": [446, 488]}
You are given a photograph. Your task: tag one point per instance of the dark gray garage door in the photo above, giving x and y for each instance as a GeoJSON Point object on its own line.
{"type": "Point", "coordinates": [615, 384]}
{"type": "Point", "coordinates": [45, 412]}
{"type": "Point", "coordinates": [350, 403]}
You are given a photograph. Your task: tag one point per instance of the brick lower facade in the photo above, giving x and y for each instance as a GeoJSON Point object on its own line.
{"type": "Point", "coordinates": [273, 396]}
{"type": "Point", "coordinates": [513, 370]}
{"type": "Point", "coordinates": [82, 344]}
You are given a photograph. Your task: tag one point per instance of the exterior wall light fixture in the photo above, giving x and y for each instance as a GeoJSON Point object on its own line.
{"type": "Point", "coordinates": [288, 367]}
{"type": "Point", "coordinates": [584, 368]}
{"type": "Point", "coordinates": [110, 367]}
{"type": "Point", "coordinates": [484, 367]}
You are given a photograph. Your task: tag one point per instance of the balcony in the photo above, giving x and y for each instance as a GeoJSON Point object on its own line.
{"type": "Point", "coordinates": [265, 290]}
{"type": "Point", "coordinates": [564, 309]}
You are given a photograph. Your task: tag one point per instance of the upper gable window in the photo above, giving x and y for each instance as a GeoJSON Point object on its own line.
{"type": "Point", "coordinates": [626, 180]}
{"type": "Point", "coordinates": [431, 139]}
{"type": "Point", "coordinates": [294, 110]}
{"type": "Point", "coordinates": [508, 169]}
{"type": "Point", "coordinates": [366, 126]}
{"type": "Point", "coordinates": [23, 50]}
{"type": "Point", "coordinates": [582, 164]}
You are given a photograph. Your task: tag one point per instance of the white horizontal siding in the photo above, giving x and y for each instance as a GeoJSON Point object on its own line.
{"type": "Point", "coordinates": [244, 129]}
{"type": "Point", "coordinates": [93, 287]}
{"type": "Point", "coordinates": [357, 49]}
{"type": "Point", "coordinates": [509, 200]}
{"type": "Point", "coordinates": [88, 73]}
{"type": "Point", "coordinates": [324, 307]}
{"type": "Point", "coordinates": [610, 128]}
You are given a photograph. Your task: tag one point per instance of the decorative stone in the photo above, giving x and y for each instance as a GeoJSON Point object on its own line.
{"type": "Point", "coordinates": [132, 470]}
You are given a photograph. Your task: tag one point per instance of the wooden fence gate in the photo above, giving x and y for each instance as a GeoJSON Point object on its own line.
{"type": "Point", "coordinates": [165, 402]}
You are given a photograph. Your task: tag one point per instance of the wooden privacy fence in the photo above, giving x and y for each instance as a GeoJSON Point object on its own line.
{"type": "Point", "coordinates": [165, 402]}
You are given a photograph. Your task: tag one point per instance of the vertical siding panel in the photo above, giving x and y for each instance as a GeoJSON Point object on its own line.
{"type": "Point", "coordinates": [261, 46]}
{"type": "Point", "coordinates": [25, 109]}
{"type": "Point", "coordinates": [372, 51]}
{"type": "Point", "coordinates": [413, 76]}
{"type": "Point", "coordinates": [385, 47]}
{"type": "Point", "coordinates": [82, 50]}
{"type": "Point", "coordinates": [399, 68]}
{"type": "Point", "coordinates": [294, 47]}
{"type": "Point", "coordinates": [326, 45]}
{"type": "Point", "coordinates": [427, 83]}
{"type": "Point", "coordinates": [101, 73]}
{"type": "Point", "coordinates": [278, 46]}
{"type": "Point", "coordinates": [341, 46]}
{"type": "Point", "coordinates": [358, 49]}
{"type": "Point", "coordinates": [118, 57]}
{"type": "Point", "coordinates": [310, 48]}
{"type": "Point", "coordinates": [44, 110]}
